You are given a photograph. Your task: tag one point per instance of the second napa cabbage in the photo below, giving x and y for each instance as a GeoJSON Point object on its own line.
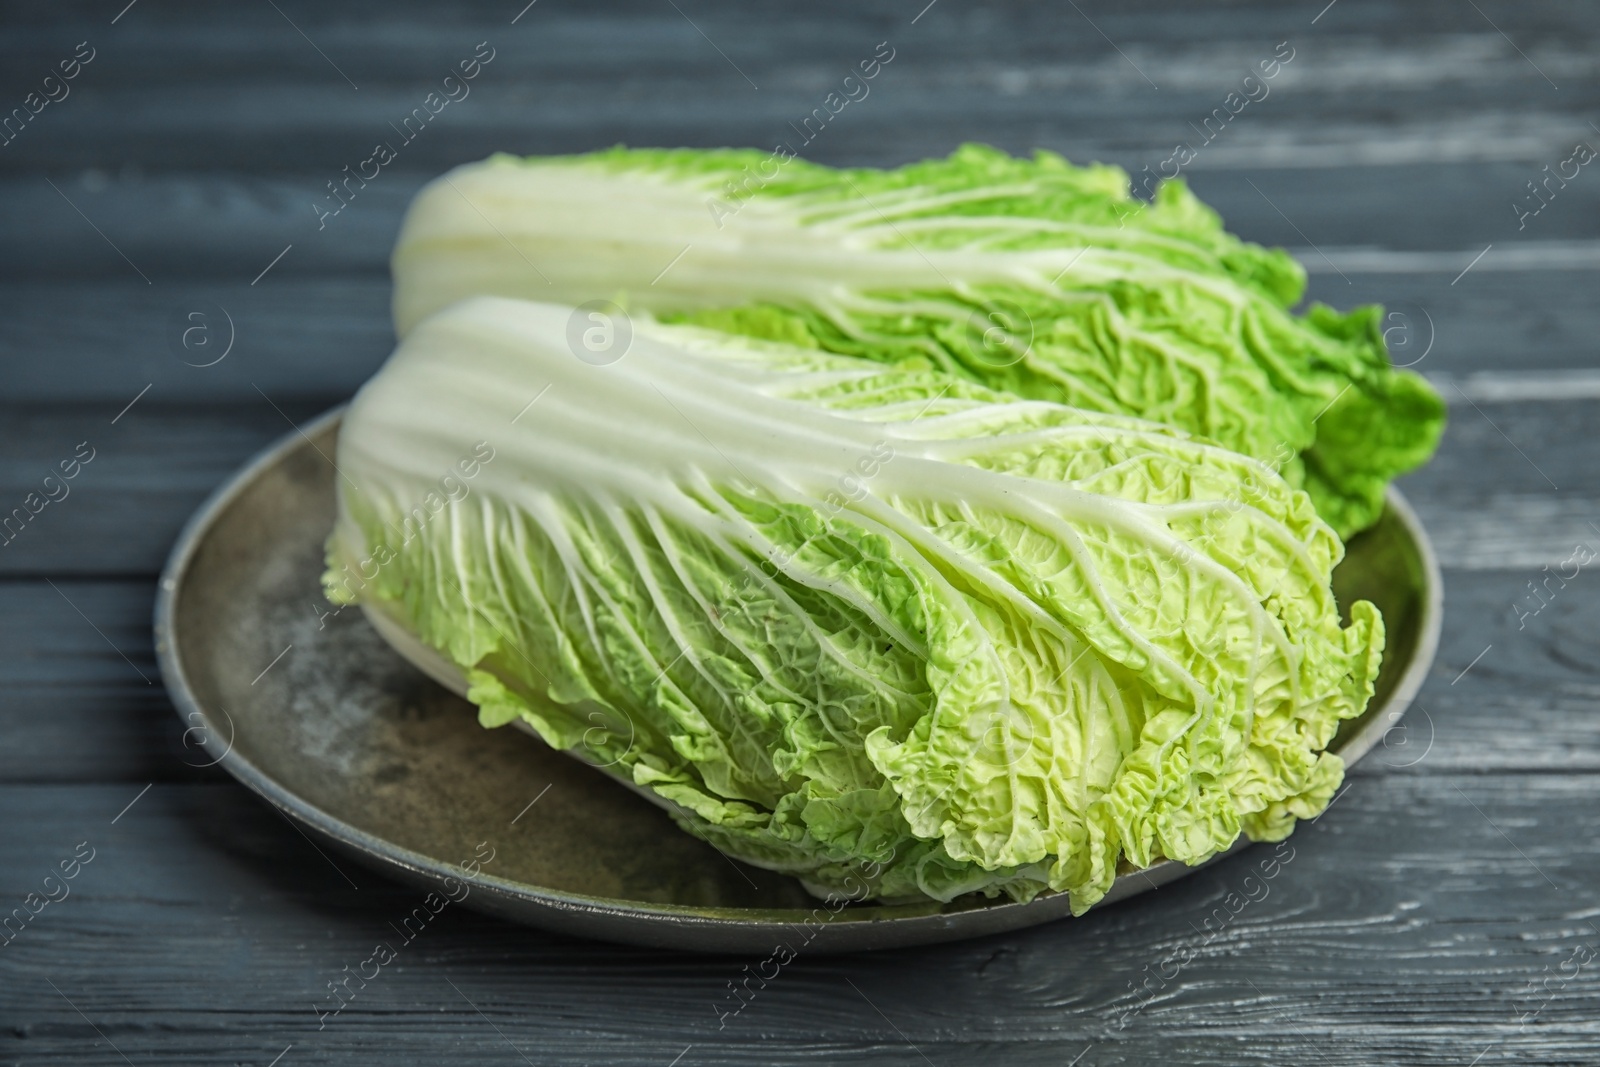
{"type": "Point", "coordinates": [1030, 276]}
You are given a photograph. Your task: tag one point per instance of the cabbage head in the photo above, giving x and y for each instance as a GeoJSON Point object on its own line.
{"type": "Point", "coordinates": [1030, 276]}
{"type": "Point", "coordinates": [883, 628]}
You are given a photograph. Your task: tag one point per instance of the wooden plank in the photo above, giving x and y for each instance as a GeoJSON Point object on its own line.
{"type": "Point", "coordinates": [1509, 485]}
{"type": "Point", "coordinates": [314, 341]}
{"type": "Point", "coordinates": [251, 924]}
{"type": "Point", "coordinates": [64, 681]}
{"type": "Point", "coordinates": [1459, 207]}
{"type": "Point", "coordinates": [146, 475]}
{"type": "Point", "coordinates": [1324, 111]}
{"type": "Point", "coordinates": [1513, 485]}
{"type": "Point", "coordinates": [169, 90]}
{"type": "Point", "coordinates": [84, 697]}
{"type": "Point", "coordinates": [1514, 531]}
{"type": "Point", "coordinates": [81, 700]}
{"type": "Point", "coordinates": [166, 225]}
{"type": "Point", "coordinates": [302, 341]}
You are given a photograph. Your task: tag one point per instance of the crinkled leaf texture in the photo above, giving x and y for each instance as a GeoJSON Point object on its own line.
{"type": "Point", "coordinates": [884, 629]}
{"type": "Point", "coordinates": [1032, 276]}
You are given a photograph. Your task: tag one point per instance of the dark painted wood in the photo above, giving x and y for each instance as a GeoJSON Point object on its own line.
{"type": "Point", "coordinates": [185, 229]}
{"type": "Point", "coordinates": [1400, 927]}
{"type": "Point", "coordinates": [1425, 919]}
{"type": "Point", "coordinates": [1512, 482]}
{"type": "Point", "coordinates": [568, 77]}
{"type": "Point", "coordinates": [313, 341]}
{"type": "Point", "coordinates": [124, 508]}
{"type": "Point", "coordinates": [77, 703]}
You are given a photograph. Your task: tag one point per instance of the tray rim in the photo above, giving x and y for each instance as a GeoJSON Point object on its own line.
{"type": "Point", "coordinates": [698, 928]}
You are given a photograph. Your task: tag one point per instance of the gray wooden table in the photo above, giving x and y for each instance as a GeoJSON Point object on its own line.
{"type": "Point", "coordinates": [1446, 910]}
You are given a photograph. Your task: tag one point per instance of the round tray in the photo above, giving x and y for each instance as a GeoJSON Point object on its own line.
{"type": "Point", "coordinates": [313, 710]}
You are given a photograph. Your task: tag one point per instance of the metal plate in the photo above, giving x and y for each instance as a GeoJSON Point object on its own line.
{"type": "Point", "coordinates": [315, 711]}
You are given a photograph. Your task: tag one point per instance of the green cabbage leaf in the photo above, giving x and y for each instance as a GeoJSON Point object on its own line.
{"type": "Point", "coordinates": [882, 628]}
{"type": "Point", "coordinates": [1031, 276]}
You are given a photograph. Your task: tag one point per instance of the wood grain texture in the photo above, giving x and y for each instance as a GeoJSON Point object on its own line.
{"type": "Point", "coordinates": [178, 229]}
{"type": "Point", "coordinates": [1495, 530]}
{"type": "Point", "coordinates": [205, 929]}
{"type": "Point", "coordinates": [76, 706]}
{"type": "Point", "coordinates": [566, 78]}
{"type": "Point", "coordinates": [1513, 485]}
{"type": "Point", "coordinates": [312, 341]}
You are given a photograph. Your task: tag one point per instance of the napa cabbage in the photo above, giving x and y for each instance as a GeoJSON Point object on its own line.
{"type": "Point", "coordinates": [882, 628]}
{"type": "Point", "coordinates": [1030, 276]}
